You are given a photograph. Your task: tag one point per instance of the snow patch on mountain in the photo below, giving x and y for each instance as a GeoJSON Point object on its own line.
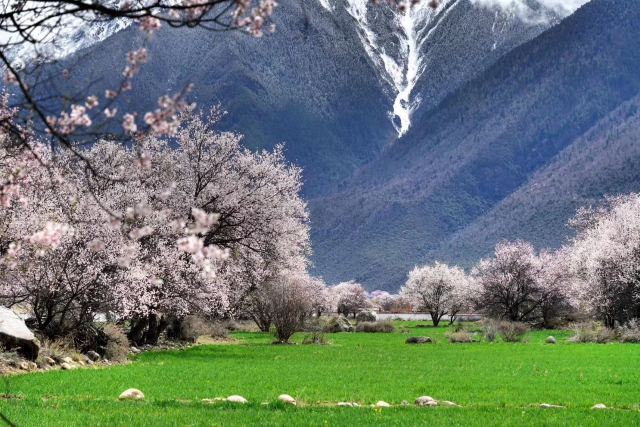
{"type": "Point", "coordinates": [400, 63]}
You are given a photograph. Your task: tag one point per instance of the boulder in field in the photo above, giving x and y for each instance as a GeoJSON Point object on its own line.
{"type": "Point", "coordinates": [49, 361]}
{"type": "Point", "coordinates": [93, 355]}
{"type": "Point", "coordinates": [550, 340]}
{"type": "Point", "coordinates": [339, 324]}
{"type": "Point", "coordinates": [381, 404]}
{"type": "Point", "coordinates": [67, 366]}
{"type": "Point", "coordinates": [237, 399]}
{"type": "Point", "coordinates": [419, 340]}
{"type": "Point", "coordinates": [426, 401]}
{"type": "Point", "coordinates": [448, 403]}
{"type": "Point", "coordinates": [285, 398]}
{"type": "Point", "coordinates": [14, 334]}
{"type": "Point", "coordinates": [131, 394]}
{"type": "Point", "coordinates": [366, 316]}
{"type": "Point", "coordinates": [599, 406]}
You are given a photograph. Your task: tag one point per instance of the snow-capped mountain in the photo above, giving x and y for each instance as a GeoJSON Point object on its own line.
{"type": "Point", "coordinates": [472, 88]}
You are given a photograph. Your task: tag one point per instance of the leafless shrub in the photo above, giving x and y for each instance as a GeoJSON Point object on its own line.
{"type": "Point", "coordinates": [630, 333]}
{"type": "Point", "coordinates": [461, 336]}
{"type": "Point", "coordinates": [512, 331]}
{"type": "Point", "coordinates": [490, 330]}
{"type": "Point", "coordinates": [385, 326]}
{"type": "Point", "coordinates": [117, 348]}
{"type": "Point", "coordinates": [317, 338]}
{"type": "Point", "coordinates": [592, 332]}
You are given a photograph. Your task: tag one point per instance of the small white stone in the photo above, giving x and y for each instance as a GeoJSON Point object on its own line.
{"type": "Point", "coordinates": [237, 399]}
{"type": "Point", "coordinates": [67, 366]}
{"type": "Point", "coordinates": [287, 399]}
{"type": "Point", "coordinates": [447, 403]}
{"type": "Point", "coordinates": [131, 394]}
{"type": "Point", "coordinates": [345, 404]}
{"type": "Point", "coordinates": [67, 360]}
{"type": "Point", "coordinates": [381, 404]}
{"type": "Point", "coordinates": [426, 401]}
{"type": "Point", "coordinates": [599, 406]}
{"type": "Point", "coordinates": [550, 406]}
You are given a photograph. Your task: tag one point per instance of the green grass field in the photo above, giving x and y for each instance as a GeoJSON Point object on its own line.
{"type": "Point", "coordinates": [496, 384]}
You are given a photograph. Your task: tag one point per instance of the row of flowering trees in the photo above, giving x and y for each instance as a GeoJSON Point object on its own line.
{"type": "Point", "coordinates": [596, 274]}
{"type": "Point", "coordinates": [147, 234]}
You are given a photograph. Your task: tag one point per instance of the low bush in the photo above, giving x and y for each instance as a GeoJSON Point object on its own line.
{"type": "Point", "coordinates": [490, 330]}
{"type": "Point", "coordinates": [461, 336]}
{"type": "Point", "coordinates": [55, 349]}
{"type": "Point", "coordinates": [592, 332]}
{"type": "Point", "coordinates": [630, 333]}
{"type": "Point", "coordinates": [117, 347]}
{"type": "Point", "coordinates": [512, 331]}
{"type": "Point", "coordinates": [385, 326]}
{"type": "Point", "coordinates": [317, 338]}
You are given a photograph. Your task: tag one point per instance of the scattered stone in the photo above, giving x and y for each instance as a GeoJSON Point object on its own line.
{"type": "Point", "coordinates": [131, 394]}
{"type": "Point", "coordinates": [381, 404]}
{"type": "Point", "coordinates": [550, 406]}
{"type": "Point", "coordinates": [426, 401]}
{"type": "Point", "coordinates": [550, 340]}
{"type": "Point", "coordinates": [24, 366]}
{"type": "Point", "coordinates": [49, 361]}
{"type": "Point", "coordinates": [340, 324]}
{"type": "Point", "coordinates": [346, 404]}
{"type": "Point", "coordinates": [67, 366]}
{"type": "Point", "coordinates": [93, 355]}
{"type": "Point", "coordinates": [237, 399]}
{"type": "Point", "coordinates": [15, 334]}
{"type": "Point", "coordinates": [419, 340]}
{"type": "Point", "coordinates": [134, 350]}
{"type": "Point", "coordinates": [599, 406]}
{"type": "Point", "coordinates": [366, 316]}
{"type": "Point", "coordinates": [448, 403]}
{"type": "Point", "coordinates": [67, 360]}
{"type": "Point", "coordinates": [214, 400]}
{"type": "Point", "coordinates": [287, 399]}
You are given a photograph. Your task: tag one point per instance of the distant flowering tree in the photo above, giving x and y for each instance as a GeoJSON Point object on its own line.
{"type": "Point", "coordinates": [605, 259]}
{"type": "Point", "coordinates": [348, 298]}
{"type": "Point", "coordinates": [438, 289]}
{"type": "Point", "coordinates": [507, 282]}
{"type": "Point", "coordinates": [517, 284]}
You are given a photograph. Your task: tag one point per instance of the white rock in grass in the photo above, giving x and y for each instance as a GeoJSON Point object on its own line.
{"type": "Point", "coordinates": [67, 366]}
{"type": "Point", "coordinates": [381, 404]}
{"type": "Point", "coordinates": [550, 340]}
{"type": "Point", "coordinates": [237, 399]}
{"type": "Point", "coordinates": [550, 406]}
{"type": "Point", "coordinates": [448, 403]}
{"type": "Point", "coordinates": [131, 394]}
{"type": "Point", "coordinates": [345, 404]}
{"type": "Point", "coordinates": [426, 401]}
{"type": "Point", "coordinates": [599, 406]}
{"type": "Point", "coordinates": [287, 399]}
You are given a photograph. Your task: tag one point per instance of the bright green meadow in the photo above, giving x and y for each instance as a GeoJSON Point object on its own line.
{"type": "Point", "coordinates": [495, 384]}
